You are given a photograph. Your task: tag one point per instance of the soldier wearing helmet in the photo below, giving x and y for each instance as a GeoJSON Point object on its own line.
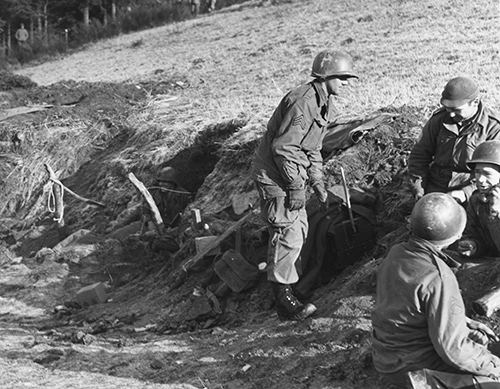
{"type": "Point", "coordinates": [419, 322]}
{"type": "Point", "coordinates": [287, 159]}
{"type": "Point", "coordinates": [482, 234]}
{"type": "Point", "coordinates": [438, 161]}
{"type": "Point", "coordinates": [170, 197]}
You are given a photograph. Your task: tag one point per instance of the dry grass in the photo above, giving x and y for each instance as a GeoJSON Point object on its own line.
{"type": "Point", "coordinates": [245, 61]}
{"type": "Point", "coordinates": [63, 143]}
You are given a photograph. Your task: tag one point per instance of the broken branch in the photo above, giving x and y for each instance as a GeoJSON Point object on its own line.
{"type": "Point", "coordinates": [157, 219]}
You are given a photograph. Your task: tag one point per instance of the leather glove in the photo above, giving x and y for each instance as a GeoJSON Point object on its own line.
{"type": "Point", "coordinates": [295, 199]}
{"type": "Point", "coordinates": [458, 195]}
{"type": "Point", "coordinates": [322, 195]}
{"type": "Point", "coordinates": [480, 333]}
{"type": "Point", "coordinates": [494, 201]}
{"type": "Point", "coordinates": [417, 188]}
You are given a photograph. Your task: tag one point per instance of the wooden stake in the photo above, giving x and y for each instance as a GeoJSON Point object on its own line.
{"type": "Point", "coordinates": [158, 221]}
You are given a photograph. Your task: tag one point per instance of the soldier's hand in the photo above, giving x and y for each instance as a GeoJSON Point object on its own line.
{"type": "Point", "coordinates": [295, 199]}
{"type": "Point", "coordinates": [417, 188]}
{"type": "Point", "coordinates": [458, 195]}
{"type": "Point", "coordinates": [480, 333]}
{"type": "Point", "coordinates": [322, 195]}
{"type": "Point", "coordinates": [494, 200]}
{"type": "Point", "coordinates": [467, 247]}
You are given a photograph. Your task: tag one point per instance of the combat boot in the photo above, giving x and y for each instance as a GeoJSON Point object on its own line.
{"type": "Point", "coordinates": [288, 306]}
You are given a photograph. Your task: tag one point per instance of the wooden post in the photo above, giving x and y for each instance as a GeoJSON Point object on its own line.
{"type": "Point", "coordinates": [196, 216]}
{"type": "Point", "coordinates": [158, 221]}
{"type": "Point", "coordinates": [86, 13]}
{"type": "Point", "coordinates": [32, 31]}
{"type": "Point", "coordinates": [46, 22]}
{"type": "Point", "coordinates": [9, 40]}
{"type": "Point", "coordinates": [113, 10]}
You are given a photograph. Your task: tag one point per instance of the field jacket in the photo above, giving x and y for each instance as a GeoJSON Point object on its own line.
{"type": "Point", "coordinates": [438, 159]}
{"type": "Point", "coordinates": [419, 317]}
{"type": "Point", "coordinates": [290, 150]}
{"type": "Point", "coordinates": [482, 227]}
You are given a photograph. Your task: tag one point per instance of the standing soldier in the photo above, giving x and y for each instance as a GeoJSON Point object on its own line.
{"type": "Point", "coordinates": [287, 159]}
{"type": "Point", "coordinates": [211, 5]}
{"type": "Point", "coordinates": [438, 159]}
{"type": "Point", "coordinates": [22, 35]}
{"type": "Point", "coordinates": [195, 7]}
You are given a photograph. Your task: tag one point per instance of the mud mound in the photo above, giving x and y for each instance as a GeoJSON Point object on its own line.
{"type": "Point", "coordinates": [378, 164]}
{"type": "Point", "coordinates": [231, 176]}
{"type": "Point", "coordinates": [85, 118]}
{"type": "Point", "coordinates": [9, 81]}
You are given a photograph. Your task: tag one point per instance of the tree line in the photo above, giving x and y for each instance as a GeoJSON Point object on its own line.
{"type": "Point", "coordinates": [30, 29]}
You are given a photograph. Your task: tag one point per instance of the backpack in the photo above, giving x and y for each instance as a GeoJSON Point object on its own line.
{"type": "Point", "coordinates": [331, 244]}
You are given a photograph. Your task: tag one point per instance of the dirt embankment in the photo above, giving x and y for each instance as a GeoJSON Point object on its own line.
{"type": "Point", "coordinates": [144, 332]}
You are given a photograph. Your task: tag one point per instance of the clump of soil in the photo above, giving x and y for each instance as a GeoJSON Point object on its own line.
{"type": "Point", "coordinates": [9, 81]}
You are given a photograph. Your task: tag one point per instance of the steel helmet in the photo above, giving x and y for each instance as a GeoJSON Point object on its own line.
{"type": "Point", "coordinates": [437, 217]}
{"type": "Point", "coordinates": [331, 64]}
{"type": "Point", "coordinates": [168, 174]}
{"type": "Point", "coordinates": [486, 152]}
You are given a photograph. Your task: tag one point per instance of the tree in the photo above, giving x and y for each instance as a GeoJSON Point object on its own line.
{"type": "Point", "coordinates": [86, 12]}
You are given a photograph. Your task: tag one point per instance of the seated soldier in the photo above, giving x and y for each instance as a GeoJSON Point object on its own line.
{"type": "Point", "coordinates": [170, 197]}
{"type": "Point", "coordinates": [419, 321]}
{"type": "Point", "coordinates": [438, 160]}
{"type": "Point", "coordinates": [482, 234]}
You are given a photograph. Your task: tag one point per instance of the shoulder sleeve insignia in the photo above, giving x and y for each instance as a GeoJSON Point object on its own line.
{"type": "Point", "coordinates": [298, 120]}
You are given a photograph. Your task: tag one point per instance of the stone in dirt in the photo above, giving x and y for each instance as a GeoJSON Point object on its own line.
{"type": "Point", "coordinates": [91, 294]}
{"type": "Point", "coordinates": [201, 242]}
{"type": "Point", "coordinates": [49, 356]}
{"type": "Point", "coordinates": [77, 246]}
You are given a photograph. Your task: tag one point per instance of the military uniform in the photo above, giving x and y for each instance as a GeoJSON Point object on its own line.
{"type": "Point", "coordinates": [483, 226]}
{"type": "Point", "coordinates": [438, 159]}
{"type": "Point", "coordinates": [419, 317]}
{"type": "Point", "coordinates": [289, 157]}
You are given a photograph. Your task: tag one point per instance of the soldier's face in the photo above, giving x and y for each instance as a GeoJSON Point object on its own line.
{"type": "Point", "coordinates": [463, 112]}
{"type": "Point", "coordinates": [335, 85]}
{"type": "Point", "coordinates": [487, 175]}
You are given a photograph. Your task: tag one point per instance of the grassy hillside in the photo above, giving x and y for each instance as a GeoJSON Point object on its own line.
{"type": "Point", "coordinates": [245, 58]}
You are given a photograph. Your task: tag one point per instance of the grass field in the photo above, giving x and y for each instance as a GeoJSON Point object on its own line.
{"type": "Point", "coordinates": [245, 58]}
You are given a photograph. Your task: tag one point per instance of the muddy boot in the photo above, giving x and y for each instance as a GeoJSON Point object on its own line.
{"type": "Point", "coordinates": [288, 306]}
